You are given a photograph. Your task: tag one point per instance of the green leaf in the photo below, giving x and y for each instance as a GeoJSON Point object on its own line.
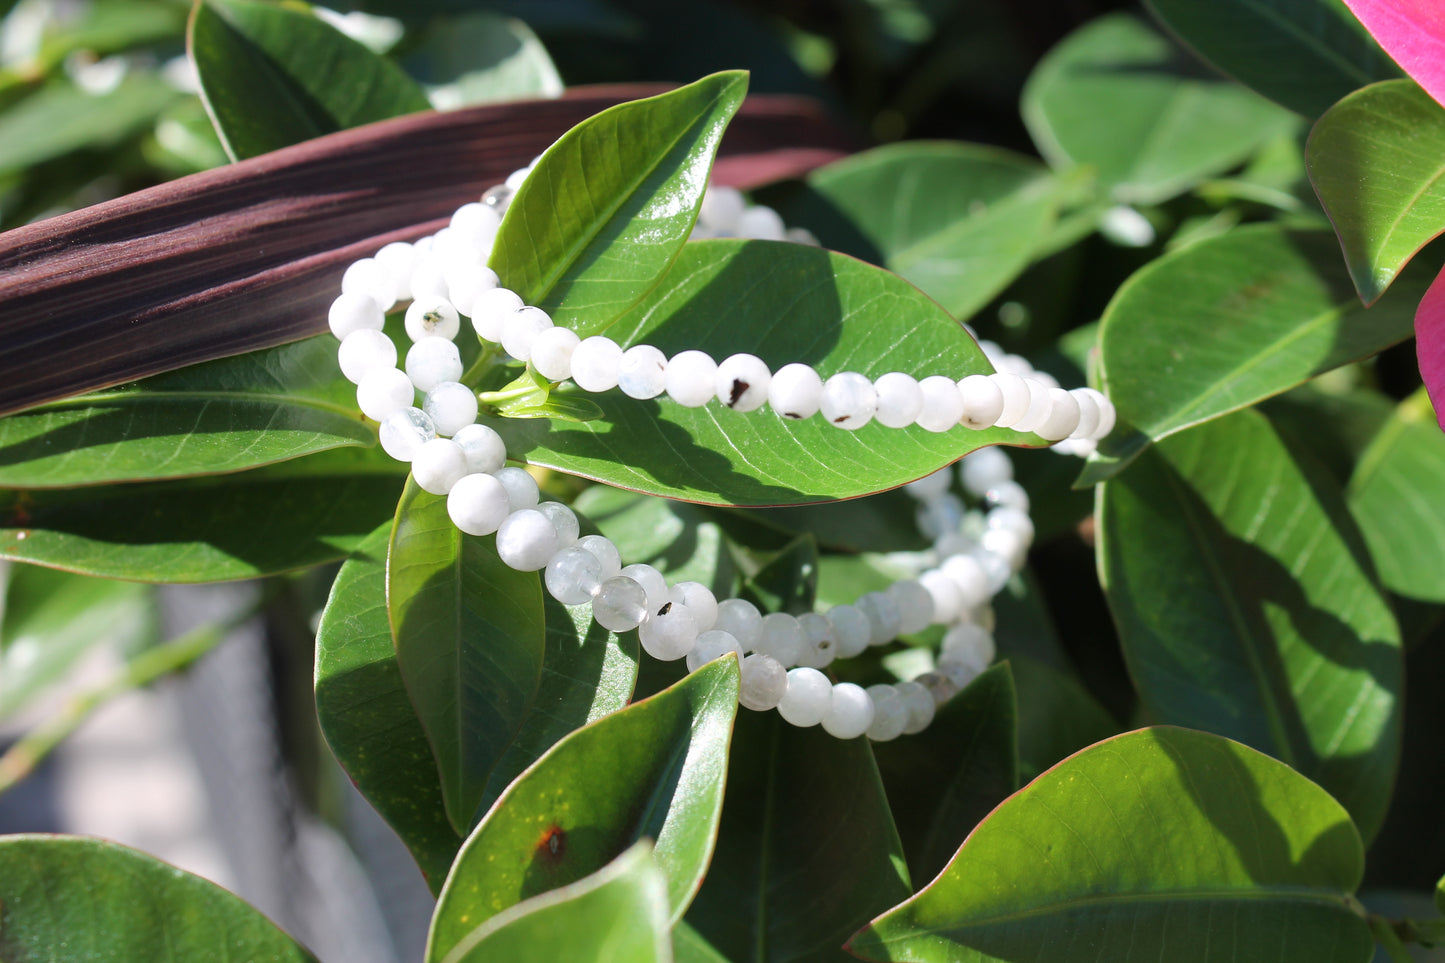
{"type": "Point", "coordinates": [60, 118]}
{"type": "Point", "coordinates": [470, 641]}
{"type": "Point", "coordinates": [1121, 98]}
{"type": "Point", "coordinates": [274, 75]}
{"type": "Point", "coordinates": [1162, 844]}
{"type": "Point", "coordinates": [945, 779]}
{"type": "Point", "coordinates": [789, 580]}
{"type": "Point", "coordinates": [1440, 895]}
{"type": "Point", "coordinates": [1246, 606]}
{"type": "Point", "coordinates": [1303, 54]}
{"type": "Point", "coordinates": [618, 913]}
{"type": "Point", "coordinates": [222, 416]}
{"type": "Point", "coordinates": [784, 303]}
{"type": "Point", "coordinates": [261, 522]}
{"type": "Point", "coordinates": [90, 899]}
{"type": "Point", "coordinates": [807, 851]}
{"type": "Point", "coordinates": [654, 769]}
{"type": "Point", "coordinates": [480, 58]}
{"type": "Point", "coordinates": [367, 718]}
{"type": "Point", "coordinates": [1375, 159]}
{"type": "Point", "coordinates": [50, 619]}
{"type": "Point", "coordinates": [1394, 495]}
{"type": "Point", "coordinates": [1056, 715]}
{"type": "Point", "coordinates": [688, 946]}
{"type": "Point", "coordinates": [681, 541]}
{"type": "Point", "coordinates": [958, 220]}
{"type": "Point", "coordinates": [1228, 322]}
{"type": "Point", "coordinates": [609, 205]}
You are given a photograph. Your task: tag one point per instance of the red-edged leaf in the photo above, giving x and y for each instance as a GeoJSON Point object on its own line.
{"type": "Point", "coordinates": [1412, 32]}
{"type": "Point", "coordinates": [1430, 344]}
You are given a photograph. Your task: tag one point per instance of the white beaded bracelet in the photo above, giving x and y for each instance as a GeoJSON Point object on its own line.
{"type": "Point", "coordinates": [781, 655]}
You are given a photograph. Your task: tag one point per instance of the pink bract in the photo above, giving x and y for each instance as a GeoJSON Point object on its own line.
{"type": "Point", "coordinates": [1413, 33]}
{"type": "Point", "coordinates": [1430, 344]}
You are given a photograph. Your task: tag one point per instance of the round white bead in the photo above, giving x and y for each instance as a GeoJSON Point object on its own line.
{"type": "Point", "coordinates": [1015, 392]}
{"type": "Point", "coordinates": [930, 486]}
{"type": "Point", "coordinates": [982, 469]}
{"type": "Point", "coordinates": [795, 391]}
{"type": "Point", "coordinates": [971, 579]}
{"type": "Point", "coordinates": [946, 596]}
{"type": "Point", "coordinates": [642, 373]}
{"type": "Point", "coordinates": [668, 635]}
{"type": "Point", "coordinates": [605, 552]}
{"type": "Point", "coordinates": [1107, 413]}
{"type": "Point", "coordinates": [712, 644]}
{"type": "Point", "coordinates": [363, 351]}
{"type": "Point", "coordinates": [466, 280]}
{"type": "Point", "coordinates": [368, 276]}
{"type": "Point", "coordinates": [850, 711]}
{"type": "Point", "coordinates": [1012, 519]}
{"type": "Point", "coordinates": [900, 399]}
{"type": "Point", "coordinates": [432, 317]}
{"type": "Point", "coordinates": [438, 465]}
{"type": "Point", "coordinates": [697, 599]}
{"type": "Point", "coordinates": [476, 223]}
{"type": "Point", "coordinates": [478, 504]}
{"type": "Point", "coordinates": [564, 520]}
{"type": "Point", "coordinates": [691, 378]}
{"type": "Point", "coordinates": [742, 382]}
{"type": "Point", "coordinates": [354, 312]}
{"type": "Point", "coordinates": [764, 682]}
{"type": "Point", "coordinates": [428, 279]}
{"type": "Point", "coordinates": [722, 209]}
{"type": "Point", "coordinates": [1007, 494]}
{"type": "Point", "coordinates": [820, 640]}
{"type": "Point", "coordinates": [483, 447]}
{"type": "Point", "coordinates": [741, 619]}
{"type": "Point", "coordinates": [942, 404]}
{"type": "Point", "coordinates": [596, 362]}
{"type": "Point", "coordinates": [402, 433]}
{"type": "Point", "coordinates": [1040, 406]}
{"type": "Point", "coordinates": [915, 605]}
{"type": "Point", "coordinates": [491, 309]}
{"type": "Point", "coordinates": [780, 636]}
{"type": "Point", "coordinates": [573, 574]}
{"type": "Point", "coordinates": [526, 541]}
{"type": "Point", "coordinates": [982, 401]}
{"type": "Point", "coordinates": [919, 703]}
{"type": "Point", "coordinates": [890, 714]}
{"type": "Point", "coordinates": [384, 391]}
{"type": "Point", "coordinates": [853, 630]}
{"type": "Point", "coordinates": [996, 567]}
{"type": "Point", "coordinates": [432, 361]}
{"type": "Point", "coordinates": [452, 406]}
{"type": "Point", "coordinates": [620, 604]}
{"type": "Point", "coordinates": [1007, 544]}
{"type": "Point", "coordinates": [939, 516]}
{"type": "Point", "coordinates": [1088, 414]}
{"type": "Point", "coordinates": [762, 223]}
{"type": "Point", "coordinates": [1063, 416]}
{"type": "Point", "coordinates": [848, 401]}
{"type": "Point", "coordinates": [807, 698]}
{"type": "Point", "coordinates": [521, 487]}
{"type": "Point", "coordinates": [552, 353]}
{"type": "Point", "coordinates": [399, 258]}
{"type": "Point", "coordinates": [652, 583]}
{"type": "Point", "coordinates": [883, 618]}
{"type": "Point", "coordinates": [969, 644]}
{"type": "Point", "coordinates": [521, 328]}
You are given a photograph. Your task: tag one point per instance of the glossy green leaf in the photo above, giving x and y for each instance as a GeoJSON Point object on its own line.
{"type": "Point", "coordinates": [688, 946]}
{"type": "Point", "coordinates": [1303, 54]}
{"type": "Point", "coordinates": [1121, 98]}
{"type": "Point", "coordinates": [50, 619]}
{"type": "Point", "coordinates": [958, 220]}
{"type": "Point", "coordinates": [788, 582]}
{"type": "Point", "coordinates": [222, 416]}
{"type": "Point", "coordinates": [1162, 844]}
{"type": "Point", "coordinates": [784, 303]}
{"type": "Point", "coordinates": [269, 520]}
{"type": "Point", "coordinates": [274, 75]}
{"type": "Point", "coordinates": [1375, 159]}
{"type": "Point", "coordinates": [609, 205]}
{"type": "Point", "coordinates": [470, 640]}
{"type": "Point", "coordinates": [943, 780]}
{"type": "Point", "coordinates": [654, 769]}
{"type": "Point", "coordinates": [1230, 321]}
{"type": "Point", "coordinates": [1246, 606]}
{"type": "Point", "coordinates": [61, 118]}
{"type": "Point", "coordinates": [482, 57]}
{"type": "Point", "coordinates": [807, 851]}
{"type": "Point", "coordinates": [680, 540]}
{"type": "Point", "coordinates": [77, 898]}
{"type": "Point", "coordinates": [1056, 715]}
{"type": "Point", "coordinates": [618, 913]}
{"type": "Point", "coordinates": [367, 718]}
{"type": "Point", "coordinates": [1395, 497]}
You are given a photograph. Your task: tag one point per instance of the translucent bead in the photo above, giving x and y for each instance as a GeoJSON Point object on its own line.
{"type": "Point", "coordinates": [915, 605]}
{"type": "Point", "coordinates": [552, 353]}
{"type": "Point", "coordinates": [521, 328]}
{"type": "Point", "coordinates": [883, 618]}
{"type": "Point", "coordinates": [958, 673]}
{"type": "Point", "coordinates": [939, 516]}
{"type": "Point", "coordinates": [969, 644]}
{"type": "Point", "coordinates": [953, 543]}
{"type": "Point", "coordinates": [940, 687]}
{"type": "Point", "coordinates": [1007, 494]}
{"type": "Point", "coordinates": [996, 567]}
{"type": "Point", "coordinates": [780, 637]}
{"type": "Point", "coordinates": [432, 317]}
{"type": "Point", "coordinates": [1012, 519]}
{"type": "Point", "coordinates": [946, 595]}
{"type": "Point", "coordinates": [467, 279]}
{"type": "Point", "coordinates": [432, 361]}
{"type": "Point", "coordinates": [563, 519]}
{"type": "Point", "coordinates": [517, 178]}
{"type": "Point", "coordinates": [900, 399]}
{"type": "Point", "coordinates": [452, 405]}
{"type": "Point", "coordinates": [620, 604]}
{"type": "Point", "coordinates": [404, 432]}
{"type": "Point", "coordinates": [942, 404]}
{"type": "Point", "coordinates": [699, 600]}
{"type": "Point", "coordinates": [848, 401]}
{"type": "Point", "coordinates": [807, 697]}
{"type": "Point", "coordinates": [476, 223]}
{"type": "Point", "coordinates": [982, 401]}
{"type": "Point", "coordinates": [762, 223]}
{"type": "Point", "coordinates": [712, 644]}
{"type": "Point", "coordinates": [852, 628]}
{"type": "Point", "coordinates": [526, 541]}
{"type": "Point", "coordinates": [1009, 545]}
{"type": "Point", "coordinates": [491, 309]}
{"type": "Point", "coordinates": [368, 276]}
{"type": "Point", "coordinates": [795, 391]}
{"type": "Point", "coordinates": [652, 583]}
{"type": "Point", "coordinates": [483, 447]}
{"type": "Point", "coordinates": [428, 280]}
{"type": "Point", "coordinates": [384, 391]}
{"type": "Point", "coordinates": [354, 312]}
{"type": "Point", "coordinates": [595, 364]}
{"type": "Point", "coordinates": [742, 382]}
{"type": "Point", "coordinates": [521, 488]}
{"type": "Point", "coordinates": [573, 574]}
{"type": "Point", "coordinates": [668, 635]}
{"type": "Point", "coordinates": [498, 197]}
{"type": "Point", "coordinates": [605, 552]}
{"type": "Point", "coordinates": [1040, 406]}
{"type": "Point", "coordinates": [478, 504]}
{"type": "Point", "coordinates": [722, 209]}
{"type": "Point", "coordinates": [742, 619]}
{"type": "Point", "coordinates": [642, 373]}
{"type": "Point", "coordinates": [850, 711]}
{"type": "Point", "coordinates": [919, 703]}
{"type": "Point", "coordinates": [970, 578]}
{"type": "Point", "coordinates": [691, 378]}
{"type": "Point", "coordinates": [399, 258]}
{"type": "Point", "coordinates": [363, 351]}
{"type": "Point", "coordinates": [932, 486]}
{"type": "Point", "coordinates": [1107, 413]}
{"type": "Point", "coordinates": [438, 465]}
{"type": "Point", "coordinates": [1088, 414]}
{"type": "Point", "coordinates": [801, 235]}
{"type": "Point", "coordinates": [1063, 416]}
{"type": "Point", "coordinates": [1015, 392]}
{"type": "Point", "coordinates": [890, 714]}
{"type": "Point", "coordinates": [764, 682]}
{"type": "Point", "coordinates": [981, 470]}
{"type": "Point", "coordinates": [820, 640]}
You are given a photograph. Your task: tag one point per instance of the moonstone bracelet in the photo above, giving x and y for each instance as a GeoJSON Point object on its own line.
{"type": "Point", "coordinates": [974, 553]}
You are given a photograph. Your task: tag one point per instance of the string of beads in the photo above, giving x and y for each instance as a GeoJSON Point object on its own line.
{"type": "Point", "coordinates": [781, 655]}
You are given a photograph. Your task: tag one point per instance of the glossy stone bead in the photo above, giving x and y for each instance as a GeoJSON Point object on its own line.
{"type": "Point", "coordinates": [526, 541]}
{"type": "Point", "coordinates": [438, 465]}
{"type": "Point", "coordinates": [741, 619]}
{"type": "Point", "coordinates": [900, 399]}
{"type": "Point", "coordinates": [691, 378]}
{"type": "Point", "coordinates": [742, 382]}
{"type": "Point", "coordinates": [384, 391]}
{"type": "Point", "coordinates": [850, 711]}
{"type": "Point", "coordinates": [983, 401]}
{"type": "Point", "coordinates": [432, 317]}
{"type": "Point", "coordinates": [795, 391]}
{"type": "Point", "coordinates": [573, 575]}
{"type": "Point", "coordinates": [820, 640]}
{"type": "Point", "coordinates": [764, 682]}
{"type": "Point", "coordinates": [552, 353]}
{"type": "Point", "coordinates": [780, 637]}
{"type": "Point", "coordinates": [883, 618]}
{"type": "Point", "coordinates": [942, 404]}
{"type": "Point", "coordinates": [848, 401]}
{"type": "Point", "coordinates": [521, 328]}
{"type": "Point", "coordinates": [402, 433]}
{"type": "Point", "coordinates": [521, 487]}
{"type": "Point", "coordinates": [807, 697]}
{"type": "Point", "coordinates": [483, 447]}
{"type": "Point", "coordinates": [620, 604]}
{"type": "Point", "coordinates": [699, 600]}
{"type": "Point", "coordinates": [605, 552]}
{"type": "Point", "coordinates": [452, 406]}
{"type": "Point", "coordinates": [564, 520]}
{"type": "Point", "coordinates": [915, 605]}
{"type": "Point", "coordinates": [712, 644]}
{"type": "Point", "coordinates": [363, 351]}
{"type": "Point", "coordinates": [890, 714]}
{"type": "Point", "coordinates": [596, 364]}
{"type": "Point", "coordinates": [919, 703]}
{"type": "Point", "coordinates": [852, 628]}
{"type": "Point", "coordinates": [642, 372]}
{"type": "Point", "coordinates": [668, 635]}
{"type": "Point", "coordinates": [491, 309]}
{"type": "Point", "coordinates": [354, 312]}
{"type": "Point", "coordinates": [432, 361]}
{"type": "Point", "coordinates": [477, 504]}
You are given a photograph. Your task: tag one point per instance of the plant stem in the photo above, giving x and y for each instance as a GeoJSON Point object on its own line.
{"type": "Point", "coordinates": [1384, 933]}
